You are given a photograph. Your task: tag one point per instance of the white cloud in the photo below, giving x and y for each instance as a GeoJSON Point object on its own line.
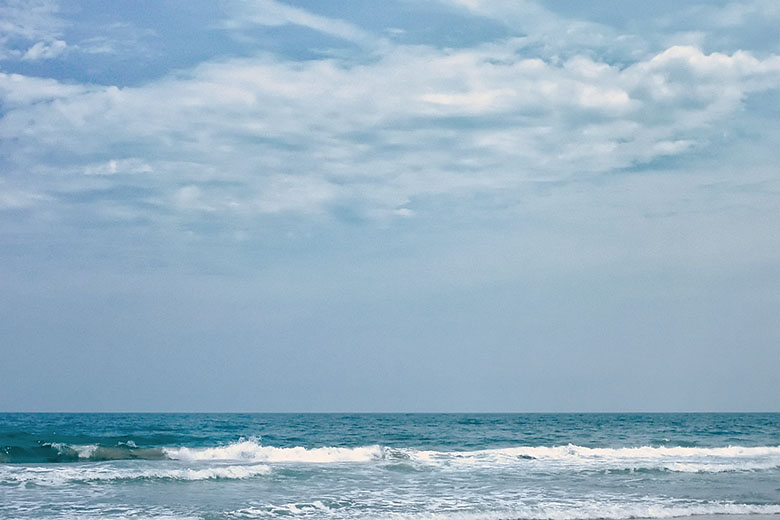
{"type": "Point", "coordinates": [11, 199]}
{"type": "Point", "coordinates": [17, 90]}
{"type": "Point", "coordinates": [131, 165]}
{"type": "Point", "coordinates": [474, 100]}
{"type": "Point", "coordinates": [45, 51]}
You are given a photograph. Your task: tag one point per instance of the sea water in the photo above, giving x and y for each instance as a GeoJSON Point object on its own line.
{"type": "Point", "coordinates": [393, 466]}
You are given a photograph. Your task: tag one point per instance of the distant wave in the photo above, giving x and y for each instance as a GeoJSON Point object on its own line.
{"type": "Point", "coordinates": [61, 452]}
{"type": "Point", "coordinates": [545, 458]}
{"type": "Point", "coordinates": [53, 475]}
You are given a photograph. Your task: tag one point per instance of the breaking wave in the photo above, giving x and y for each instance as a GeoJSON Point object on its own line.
{"type": "Point", "coordinates": [546, 458]}
{"type": "Point", "coordinates": [254, 451]}
{"type": "Point", "coordinates": [42, 475]}
{"type": "Point", "coordinates": [676, 459]}
{"type": "Point", "coordinates": [571, 457]}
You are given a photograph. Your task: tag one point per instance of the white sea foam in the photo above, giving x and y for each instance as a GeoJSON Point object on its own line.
{"type": "Point", "coordinates": [600, 510]}
{"type": "Point", "coordinates": [681, 459]}
{"type": "Point", "coordinates": [82, 451]}
{"type": "Point", "coordinates": [554, 510]}
{"type": "Point", "coordinates": [102, 515]}
{"type": "Point", "coordinates": [86, 451]}
{"type": "Point", "coordinates": [47, 475]}
{"type": "Point", "coordinates": [315, 508]}
{"type": "Point", "coordinates": [253, 451]}
{"type": "Point", "coordinates": [645, 452]}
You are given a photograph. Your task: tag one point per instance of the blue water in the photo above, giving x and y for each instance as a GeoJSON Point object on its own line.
{"type": "Point", "coordinates": [454, 466]}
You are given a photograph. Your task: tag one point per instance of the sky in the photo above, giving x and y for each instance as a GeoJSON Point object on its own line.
{"type": "Point", "coordinates": [398, 206]}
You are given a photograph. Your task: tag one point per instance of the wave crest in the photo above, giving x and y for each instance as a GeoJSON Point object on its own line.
{"type": "Point", "coordinates": [42, 475]}
{"type": "Point", "coordinates": [570, 457]}
{"type": "Point", "coordinates": [254, 451]}
{"type": "Point", "coordinates": [677, 458]}
{"type": "Point", "coordinates": [546, 458]}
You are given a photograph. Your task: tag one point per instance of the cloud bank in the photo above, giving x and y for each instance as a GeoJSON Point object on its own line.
{"type": "Point", "coordinates": [381, 131]}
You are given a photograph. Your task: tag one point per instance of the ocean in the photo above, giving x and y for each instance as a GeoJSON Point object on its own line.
{"type": "Point", "coordinates": [388, 466]}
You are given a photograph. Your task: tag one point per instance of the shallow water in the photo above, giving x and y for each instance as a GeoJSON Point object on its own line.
{"type": "Point", "coordinates": [460, 466]}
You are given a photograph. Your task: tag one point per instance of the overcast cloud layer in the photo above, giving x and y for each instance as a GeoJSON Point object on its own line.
{"type": "Point", "coordinates": [452, 205]}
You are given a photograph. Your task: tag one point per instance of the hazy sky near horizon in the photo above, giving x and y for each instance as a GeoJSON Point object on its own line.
{"type": "Point", "coordinates": [438, 205]}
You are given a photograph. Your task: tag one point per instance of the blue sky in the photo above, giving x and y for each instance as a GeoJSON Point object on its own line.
{"type": "Point", "coordinates": [443, 205]}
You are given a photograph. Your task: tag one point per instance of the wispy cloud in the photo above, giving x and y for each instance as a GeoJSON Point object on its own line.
{"type": "Point", "coordinates": [12, 198]}
{"type": "Point", "coordinates": [246, 13]}
{"type": "Point", "coordinates": [45, 51]}
{"type": "Point", "coordinates": [554, 36]}
{"type": "Point", "coordinates": [735, 14]}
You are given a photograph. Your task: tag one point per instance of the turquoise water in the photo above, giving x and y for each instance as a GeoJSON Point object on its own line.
{"type": "Point", "coordinates": [366, 466]}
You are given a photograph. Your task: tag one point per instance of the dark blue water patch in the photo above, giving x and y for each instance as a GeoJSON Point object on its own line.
{"type": "Point", "coordinates": [61, 453]}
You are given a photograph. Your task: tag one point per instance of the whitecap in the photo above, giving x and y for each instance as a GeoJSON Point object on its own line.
{"type": "Point", "coordinates": [47, 475]}
{"type": "Point", "coordinates": [251, 450]}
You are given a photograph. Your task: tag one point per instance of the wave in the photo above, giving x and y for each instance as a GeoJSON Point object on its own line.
{"type": "Point", "coordinates": [59, 452]}
{"type": "Point", "coordinates": [243, 450]}
{"type": "Point", "coordinates": [545, 458]}
{"type": "Point", "coordinates": [42, 475]}
{"type": "Point", "coordinates": [570, 457]}
{"type": "Point", "coordinates": [254, 451]}
{"type": "Point", "coordinates": [676, 459]}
